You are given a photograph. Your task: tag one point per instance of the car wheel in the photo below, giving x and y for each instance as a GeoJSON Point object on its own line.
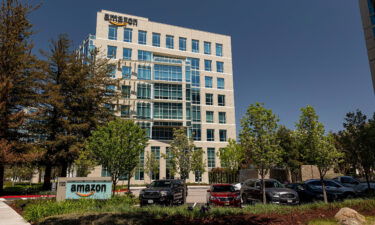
{"type": "Point", "coordinates": [349, 196]}
{"type": "Point", "coordinates": [245, 201]}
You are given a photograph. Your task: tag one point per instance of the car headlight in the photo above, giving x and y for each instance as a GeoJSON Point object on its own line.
{"type": "Point", "coordinates": [164, 193]}
{"type": "Point", "coordinates": [275, 194]}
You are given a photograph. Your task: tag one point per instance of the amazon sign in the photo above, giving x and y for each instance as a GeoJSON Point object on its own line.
{"type": "Point", "coordinates": [120, 20]}
{"type": "Point", "coordinates": [88, 189]}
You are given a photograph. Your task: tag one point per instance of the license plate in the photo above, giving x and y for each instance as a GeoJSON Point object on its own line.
{"type": "Point", "coordinates": [290, 201]}
{"type": "Point", "coordinates": [150, 201]}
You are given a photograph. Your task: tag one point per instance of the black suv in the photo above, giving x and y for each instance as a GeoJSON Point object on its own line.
{"type": "Point", "coordinates": [164, 192]}
{"type": "Point", "coordinates": [251, 192]}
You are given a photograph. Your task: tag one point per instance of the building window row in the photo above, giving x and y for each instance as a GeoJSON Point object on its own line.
{"type": "Point", "coordinates": [210, 117]}
{"type": "Point", "coordinates": [211, 135]}
{"type": "Point", "coordinates": [142, 39]}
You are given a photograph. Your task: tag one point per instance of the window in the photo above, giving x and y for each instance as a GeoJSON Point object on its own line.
{"type": "Point", "coordinates": [167, 72]}
{"type": "Point", "coordinates": [209, 116]}
{"type": "Point", "coordinates": [144, 72]}
{"type": "Point", "coordinates": [169, 43]}
{"type": "Point", "coordinates": [142, 37]}
{"type": "Point", "coordinates": [128, 33]}
{"type": "Point", "coordinates": [168, 91]}
{"type": "Point", "coordinates": [127, 53]}
{"type": "Point", "coordinates": [106, 173]}
{"type": "Point", "coordinates": [210, 135]}
{"type": "Point", "coordinates": [223, 135]}
{"type": "Point", "coordinates": [207, 48]}
{"type": "Point", "coordinates": [168, 163]}
{"type": "Point", "coordinates": [196, 132]}
{"type": "Point", "coordinates": [194, 45]}
{"type": "Point", "coordinates": [194, 63]}
{"type": "Point", "coordinates": [146, 127]}
{"type": "Point", "coordinates": [112, 32]}
{"type": "Point", "coordinates": [111, 52]}
{"type": "Point", "coordinates": [155, 151]}
{"type": "Point", "coordinates": [156, 39]}
{"type": "Point", "coordinates": [208, 82]}
{"type": "Point", "coordinates": [222, 117]}
{"type": "Point", "coordinates": [143, 91]}
{"type": "Point", "coordinates": [211, 157]}
{"type": "Point", "coordinates": [125, 91]}
{"type": "Point", "coordinates": [144, 55]}
{"type": "Point", "coordinates": [163, 110]}
{"type": "Point", "coordinates": [207, 65]}
{"type": "Point", "coordinates": [220, 67]}
{"type": "Point", "coordinates": [221, 100]}
{"type": "Point", "coordinates": [219, 49]}
{"type": "Point", "coordinates": [220, 83]}
{"type": "Point", "coordinates": [195, 78]}
{"type": "Point", "coordinates": [195, 96]}
{"type": "Point", "coordinates": [143, 110]}
{"type": "Point", "coordinates": [209, 99]}
{"type": "Point", "coordinates": [182, 44]}
{"type": "Point", "coordinates": [112, 70]}
{"type": "Point", "coordinates": [125, 110]}
{"type": "Point", "coordinates": [110, 89]}
{"type": "Point", "coordinates": [188, 111]}
{"type": "Point", "coordinates": [126, 72]}
{"type": "Point", "coordinates": [139, 171]}
{"type": "Point", "coordinates": [196, 113]}
{"type": "Point", "coordinates": [371, 6]}
{"type": "Point", "coordinates": [198, 176]}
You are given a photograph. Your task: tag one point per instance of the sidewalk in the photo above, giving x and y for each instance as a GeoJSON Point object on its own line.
{"type": "Point", "coordinates": [9, 217]}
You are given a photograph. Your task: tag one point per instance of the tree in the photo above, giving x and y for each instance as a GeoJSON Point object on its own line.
{"type": "Point", "coordinates": [258, 138]}
{"type": "Point", "coordinates": [182, 151]}
{"type": "Point", "coordinates": [317, 149]}
{"type": "Point", "coordinates": [117, 146]}
{"type": "Point", "coordinates": [74, 96]}
{"type": "Point", "coordinates": [19, 86]}
{"type": "Point", "coordinates": [152, 165]}
{"type": "Point", "coordinates": [291, 158]}
{"type": "Point", "coordinates": [197, 162]}
{"type": "Point", "coordinates": [232, 155]}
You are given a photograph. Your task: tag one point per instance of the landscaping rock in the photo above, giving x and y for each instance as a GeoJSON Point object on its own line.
{"type": "Point", "coordinates": [348, 216]}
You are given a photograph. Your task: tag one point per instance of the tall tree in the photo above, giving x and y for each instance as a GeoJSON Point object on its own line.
{"type": "Point", "coordinates": [318, 149]}
{"type": "Point", "coordinates": [232, 156]}
{"type": "Point", "coordinates": [259, 139]}
{"type": "Point", "coordinates": [291, 158]}
{"type": "Point", "coordinates": [73, 104]}
{"type": "Point", "coordinates": [152, 164]}
{"type": "Point", "coordinates": [19, 86]}
{"type": "Point", "coordinates": [117, 146]}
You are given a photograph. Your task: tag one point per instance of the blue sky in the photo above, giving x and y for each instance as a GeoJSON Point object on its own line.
{"type": "Point", "coordinates": [287, 54]}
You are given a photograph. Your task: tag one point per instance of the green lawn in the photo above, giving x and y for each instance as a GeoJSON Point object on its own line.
{"type": "Point", "coordinates": [370, 221]}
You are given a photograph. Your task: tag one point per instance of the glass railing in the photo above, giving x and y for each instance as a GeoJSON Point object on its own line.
{"type": "Point", "coordinates": [167, 60]}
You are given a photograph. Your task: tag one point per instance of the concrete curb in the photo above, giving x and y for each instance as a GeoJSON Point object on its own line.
{"type": "Point", "coordinates": [10, 217]}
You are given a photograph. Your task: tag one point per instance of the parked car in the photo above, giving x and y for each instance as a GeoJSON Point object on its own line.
{"type": "Point", "coordinates": [333, 187]}
{"type": "Point", "coordinates": [359, 187]}
{"type": "Point", "coordinates": [223, 195]}
{"type": "Point", "coordinates": [308, 193]}
{"type": "Point", "coordinates": [165, 192]}
{"type": "Point", "coordinates": [251, 192]}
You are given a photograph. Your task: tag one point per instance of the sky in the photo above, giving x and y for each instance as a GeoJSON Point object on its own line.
{"type": "Point", "coordinates": [286, 54]}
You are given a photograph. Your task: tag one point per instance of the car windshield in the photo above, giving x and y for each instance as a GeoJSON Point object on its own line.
{"type": "Point", "coordinates": [273, 184]}
{"type": "Point", "coordinates": [161, 183]}
{"type": "Point", "coordinates": [223, 188]}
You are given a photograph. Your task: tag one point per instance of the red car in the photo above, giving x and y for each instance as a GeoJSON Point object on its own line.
{"type": "Point", "coordinates": [223, 195]}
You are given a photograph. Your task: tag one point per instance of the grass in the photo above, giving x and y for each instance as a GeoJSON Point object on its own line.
{"type": "Point", "coordinates": [370, 220]}
{"type": "Point", "coordinates": [40, 209]}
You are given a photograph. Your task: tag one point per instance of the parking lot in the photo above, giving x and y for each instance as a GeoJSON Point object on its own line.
{"type": "Point", "coordinates": [195, 193]}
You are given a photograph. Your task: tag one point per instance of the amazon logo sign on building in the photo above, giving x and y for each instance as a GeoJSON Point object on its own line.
{"type": "Point", "coordinates": [120, 20]}
{"type": "Point", "coordinates": [93, 188]}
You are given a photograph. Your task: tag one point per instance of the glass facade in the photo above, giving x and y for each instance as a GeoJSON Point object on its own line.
{"type": "Point", "coordinates": [195, 46]}
{"type": "Point", "coordinates": [219, 49]}
{"type": "Point", "coordinates": [220, 83]}
{"type": "Point", "coordinates": [196, 131]}
{"type": "Point", "coordinates": [168, 91]}
{"type": "Point", "coordinates": [143, 91]}
{"type": "Point", "coordinates": [208, 81]}
{"type": "Point", "coordinates": [164, 110]}
{"type": "Point", "coordinates": [125, 91]}
{"type": "Point", "coordinates": [143, 110]}
{"type": "Point", "coordinates": [222, 117]}
{"type": "Point", "coordinates": [207, 65]}
{"type": "Point", "coordinates": [182, 44]}
{"type": "Point", "coordinates": [126, 72]}
{"type": "Point", "coordinates": [169, 42]}
{"type": "Point", "coordinates": [196, 113]}
{"type": "Point", "coordinates": [144, 55]}
{"type": "Point", "coordinates": [144, 72]}
{"type": "Point", "coordinates": [167, 72]}
{"type": "Point", "coordinates": [112, 32]}
{"type": "Point", "coordinates": [127, 53]}
{"type": "Point", "coordinates": [140, 171]}
{"type": "Point", "coordinates": [111, 52]}
{"type": "Point", "coordinates": [156, 39]}
{"type": "Point", "coordinates": [155, 150]}
{"type": "Point", "coordinates": [207, 48]}
{"type": "Point", "coordinates": [211, 157]}
{"type": "Point", "coordinates": [209, 116]}
{"type": "Point", "coordinates": [209, 99]}
{"type": "Point", "coordinates": [142, 37]}
{"type": "Point", "coordinates": [128, 34]}
{"type": "Point", "coordinates": [195, 96]}
{"type": "Point", "coordinates": [168, 164]}
{"type": "Point", "coordinates": [220, 67]}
